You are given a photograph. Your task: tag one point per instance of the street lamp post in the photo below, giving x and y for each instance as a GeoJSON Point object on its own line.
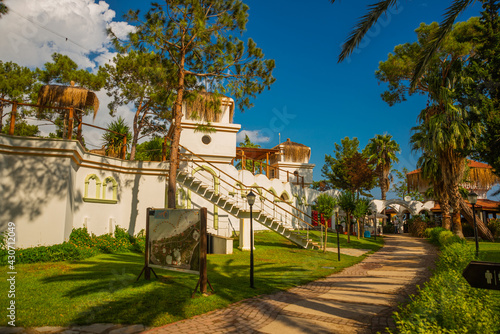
{"type": "Point", "coordinates": [337, 225]}
{"type": "Point", "coordinates": [251, 201]}
{"type": "Point", "coordinates": [473, 200]}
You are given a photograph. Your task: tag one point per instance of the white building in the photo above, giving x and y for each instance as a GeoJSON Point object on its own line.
{"type": "Point", "coordinates": [50, 186]}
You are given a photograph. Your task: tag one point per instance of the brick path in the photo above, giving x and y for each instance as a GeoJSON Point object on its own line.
{"type": "Point", "coordinates": [360, 299]}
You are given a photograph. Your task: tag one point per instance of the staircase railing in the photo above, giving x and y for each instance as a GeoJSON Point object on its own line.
{"type": "Point", "coordinates": [269, 170]}
{"type": "Point", "coordinates": [275, 210]}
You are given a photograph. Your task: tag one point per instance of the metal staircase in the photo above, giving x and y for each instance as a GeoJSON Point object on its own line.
{"type": "Point", "coordinates": [234, 207]}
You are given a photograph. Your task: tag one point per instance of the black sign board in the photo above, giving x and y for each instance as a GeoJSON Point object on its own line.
{"type": "Point", "coordinates": [483, 275]}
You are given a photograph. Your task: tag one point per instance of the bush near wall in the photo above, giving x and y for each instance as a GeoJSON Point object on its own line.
{"type": "Point", "coordinates": [81, 245]}
{"type": "Point", "coordinates": [447, 303]}
{"type": "Point", "coordinates": [417, 226]}
{"type": "Point", "coordinates": [494, 226]}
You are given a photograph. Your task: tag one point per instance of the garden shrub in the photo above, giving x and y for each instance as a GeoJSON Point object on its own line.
{"type": "Point", "coordinates": [445, 238]}
{"type": "Point", "coordinates": [447, 303]}
{"type": "Point", "coordinates": [417, 226]}
{"type": "Point", "coordinates": [388, 228]}
{"type": "Point", "coordinates": [81, 237]}
{"type": "Point", "coordinates": [455, 257]}
{"type": "Point", "coordinates": [81, 245]}
{"type": "Point", "coordinates": [427, 232]}
{"type": "Point", "coordinates": [434, 235]}
{"type": "Point", "coordinates": [139, 242]}
{"type": "Point", "coordinates": [62, 252]}
{"type": "Point", "coordinates": [494, 226]}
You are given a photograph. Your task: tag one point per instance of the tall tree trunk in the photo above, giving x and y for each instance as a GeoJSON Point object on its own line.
{"type": "Point", "coordinates": [445, 209]}
{"type": "Point", "coordinates": [174, 150]}
{"type": "Point", "coordinates": [135, 138]}
{"type": "Point", "coordinates": [1, 116]}
{"type": "Point", "coordinates": [348, 226]}
{"type": "Point", "coordinates": [383, 192]}
{"type": "Point", "coordinates": [455, 200]}
{"type": "Point", "coordinates": [359, 228]}
{"type": "Point", "coordinates": [481, 226]}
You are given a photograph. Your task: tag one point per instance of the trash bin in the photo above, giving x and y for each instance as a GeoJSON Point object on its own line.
{"type": "Point", "coordinates": [367, 234]}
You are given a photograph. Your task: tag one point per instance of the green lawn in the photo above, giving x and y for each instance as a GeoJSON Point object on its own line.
{"type": "Point", "coordinates": [488, 251]}
{"type": "Point", "coordinates": [362, 243]}
{"type": "Point", "coordinates": [102, 289]}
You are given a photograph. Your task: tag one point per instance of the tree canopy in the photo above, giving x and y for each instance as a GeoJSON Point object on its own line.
{"type": "Point", "coordinates": [348, 169]}
{"type": "Point", "coordinates": [199, 38]}
{"type": "Point", "coordinates": [381, 151]}
{"type": "Point", "coordinates": [17, 83]}
{"type": "Point", "coordinates": [143, 80]}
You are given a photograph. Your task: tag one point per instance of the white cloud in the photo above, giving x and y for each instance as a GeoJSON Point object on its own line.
{"type": "Point", "coordinates": [255, 136]}
{"type": "Point", "coordinates": [93, 136]}
{"type": "Point", "coordinates": [33, 30]}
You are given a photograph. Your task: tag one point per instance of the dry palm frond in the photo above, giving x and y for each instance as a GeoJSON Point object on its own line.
{"type": "Point", "coordinates": [479, 176]}
{"type": "Point", "coordinates": [416, 181]}
{"type": "Point", "coordinates": [482, 178]}
{"type": "Point", "coordinates": [67, 96]}
{"type": "Point", "coordinates": [206, 107]}
{"type": "Point", "coordinates": [296, 152]}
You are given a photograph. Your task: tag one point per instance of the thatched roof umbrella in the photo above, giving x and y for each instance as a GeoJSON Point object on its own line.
{"type": "Point", "coordinates": [206, 107]}
{"type": "Point", "coordinates": [480, 176]}
{"type": "Point", "coordinates": [67, 96]}
{"type": "Point", "coordinates": [295, 152]}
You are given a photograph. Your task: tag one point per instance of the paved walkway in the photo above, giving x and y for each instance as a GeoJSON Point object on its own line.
{"type": "Point", "coordinates": [360, 299]}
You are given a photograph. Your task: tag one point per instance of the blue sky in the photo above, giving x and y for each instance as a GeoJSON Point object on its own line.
{"type": "Point", "coordinates": [315, 100]}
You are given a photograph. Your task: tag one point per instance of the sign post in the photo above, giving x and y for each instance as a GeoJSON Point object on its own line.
{"type": "Point", "coordinates": [483, 275]}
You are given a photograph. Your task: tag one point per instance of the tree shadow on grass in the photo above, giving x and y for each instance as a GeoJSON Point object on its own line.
{"type": "Point", "coordinates": [109, 285]}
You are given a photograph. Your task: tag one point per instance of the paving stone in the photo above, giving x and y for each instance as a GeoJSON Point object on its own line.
{"type": "Point", "coordinates": [49, 329]}
{"type": "Point", "coordinates": [352, 301]}
{"type": "Point", "coordinates": [128, 330]}
{"type": "Point", "coordinates": [94, 328]}
{"type": "Point", "coordinates": [11, 330]}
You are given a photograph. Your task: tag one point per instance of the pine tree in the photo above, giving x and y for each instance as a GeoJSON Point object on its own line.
{"type": "Point", "coordinates": [198, 37]}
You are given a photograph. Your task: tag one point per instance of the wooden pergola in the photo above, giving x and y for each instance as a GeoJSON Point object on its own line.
{"type": "Point", "coordinates": [257, 154]}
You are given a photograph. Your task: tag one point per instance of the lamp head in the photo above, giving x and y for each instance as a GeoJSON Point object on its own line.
{"type": "Point", "coordinates": [251, 198]}
{"type": "Point", "coordinates": [472, 197]}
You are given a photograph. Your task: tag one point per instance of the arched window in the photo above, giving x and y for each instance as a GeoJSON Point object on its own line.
{"type": "Point", "coordinates": [93, 186]}
{"type": "Point", "coordinates": [93, 183]}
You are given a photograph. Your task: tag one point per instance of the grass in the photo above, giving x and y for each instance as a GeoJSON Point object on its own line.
{"type": "Point", "coordinates": [488, 251]}
{"type": "Point", "coordinates": [102, 289]}
{"type": "Point", "coordinates": [362, 243]}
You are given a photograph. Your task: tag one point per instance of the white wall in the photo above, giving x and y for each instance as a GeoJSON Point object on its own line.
{"type": "Point", "coordinates": [42, 184]}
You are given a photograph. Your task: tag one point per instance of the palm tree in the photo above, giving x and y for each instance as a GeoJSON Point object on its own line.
{"type": "Point", "coordinates": [377, 9]}
{"type": "Point", "coordinates": [447, 132]}
{"type": "Point", "coordinates": [433, 176]}
{"type": "Point", "coordinates": [382, 150]}
{"type": "Point", "coordinates": [113, 139]}
{"type": "Point", "coordinates": [347, 202]}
